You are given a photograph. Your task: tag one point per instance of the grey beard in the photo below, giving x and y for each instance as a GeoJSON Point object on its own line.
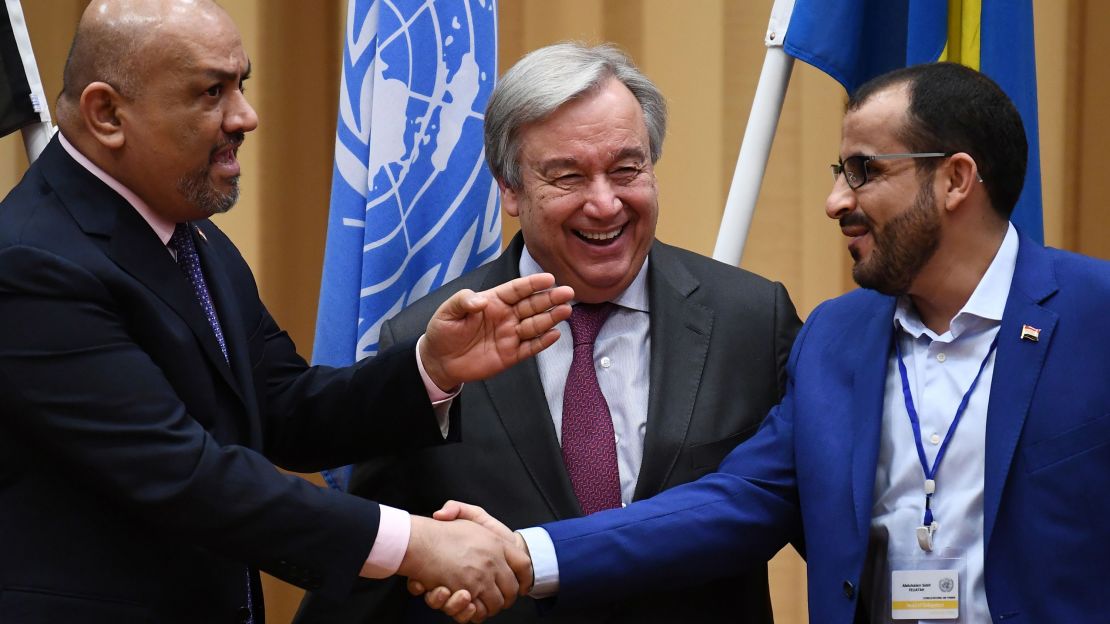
{"type": "Point", "coordinates": [198, 190]}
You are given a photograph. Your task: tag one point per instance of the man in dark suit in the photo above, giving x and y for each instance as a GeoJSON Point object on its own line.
{"type": "Point", "coordinates": [943, 449]}
{"type": "Point", "coordinates": [145, 390]}
{"type": "Point", "coordinates": [689, 360]}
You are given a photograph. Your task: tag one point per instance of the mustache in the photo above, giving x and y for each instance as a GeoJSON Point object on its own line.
{"type": "Point", "coordinates": [233, 140]}
{"type": "Point", "coordinates": [855, 218]}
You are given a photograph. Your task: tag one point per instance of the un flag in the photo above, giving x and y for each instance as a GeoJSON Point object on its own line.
{"type": "Point", "coordinates": [413, 204]}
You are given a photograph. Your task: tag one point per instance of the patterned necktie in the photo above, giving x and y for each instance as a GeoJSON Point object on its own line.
{"type": "Point", "coordinates": [589, 445]}
{"type": "Point", "coordinates": [189, 262]}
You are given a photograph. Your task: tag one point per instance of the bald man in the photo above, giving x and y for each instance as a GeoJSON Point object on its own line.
{"type": "Point", "coordinates": [145, 391]}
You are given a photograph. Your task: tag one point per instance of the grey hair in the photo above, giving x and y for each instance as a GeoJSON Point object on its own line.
{"type": "Point", "coordinates": [549, 77]}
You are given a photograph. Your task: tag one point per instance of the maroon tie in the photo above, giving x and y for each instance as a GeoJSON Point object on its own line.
{"type": "Point", "coordinates": [589, 447]}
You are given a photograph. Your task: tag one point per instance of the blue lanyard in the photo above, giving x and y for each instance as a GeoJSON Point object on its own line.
{"type": "Point", "coordinates": [931, 473]}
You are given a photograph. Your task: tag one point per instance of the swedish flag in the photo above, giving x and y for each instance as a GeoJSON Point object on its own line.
{"type": "Point", "coordinates": [855, 40]}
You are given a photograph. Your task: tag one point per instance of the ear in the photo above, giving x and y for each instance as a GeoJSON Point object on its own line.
{"type": "Point", "coordinates": [99, 111]}
{"type": "Point", "coordinates": [960, 181]}
{"type": "Point", "coordinates": [510, 199]}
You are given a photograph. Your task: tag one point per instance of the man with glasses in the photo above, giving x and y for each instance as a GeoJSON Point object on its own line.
{"type": "Point", "coordinates": [943, 449]}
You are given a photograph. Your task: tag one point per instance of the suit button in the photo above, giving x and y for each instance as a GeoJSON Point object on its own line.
{"type": "Point", "coordinates": [849, 590]}
{"type": "Point", "coordinates": [243, 614]}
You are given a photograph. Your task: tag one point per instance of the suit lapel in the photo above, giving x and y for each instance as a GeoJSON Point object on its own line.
{"type": "Point", "coordinates": [521, 405]}
{"type": "Point", "coordinates": [680, 333]}
{"type": "Point", "coordinates": [231, 322]}
{"type": "Point", "coordinates": [138, 251]}
{"type": "Point", "coordinates": [871, 350]}
{"type": "Point", "coordinates": [131, 244]}
{"type": "Point", "coordinates": [1017, 368]}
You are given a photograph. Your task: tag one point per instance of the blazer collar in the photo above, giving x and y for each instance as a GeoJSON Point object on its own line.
{"type": "Point", "coordinates": [680, 330]}
{"type": "Point", "coordinates": [1017, 368]}
{"type": "Point", "coordinates": [868, 354]}
{"type": "Point", "coordinates": [521, 405]}
{"type": "Point", "coordinates": [131, 243]}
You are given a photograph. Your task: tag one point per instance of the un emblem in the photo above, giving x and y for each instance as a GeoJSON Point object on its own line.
{"type": "Point", "coordinates": [410, 176]}
{"type": "Point", "coordinates": [946, 585]}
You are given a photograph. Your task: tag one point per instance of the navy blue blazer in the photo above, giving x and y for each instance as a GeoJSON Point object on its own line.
{"type": "Point", "coordinates": [137, 477]}
{"type": "Point", "coordinates": [807, 475]}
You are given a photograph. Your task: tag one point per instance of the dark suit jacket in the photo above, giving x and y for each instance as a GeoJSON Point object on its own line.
{"type": "Point", "coordinates": [719, 341]}
{"type": "Point", "coordinates": [136, 482]}
{"type": "Point", "coordinates": [809, 474]}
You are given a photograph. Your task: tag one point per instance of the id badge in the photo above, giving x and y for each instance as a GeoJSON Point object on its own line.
{"type": "Point", "coordinates": [925, 594]}
{"type": "Point", "coordinates": [928, 588]}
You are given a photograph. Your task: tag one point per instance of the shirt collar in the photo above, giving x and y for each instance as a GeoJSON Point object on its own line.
{"type": "Point", "coordinates": [162, 227]}
{"type": "Point", "coordinates": [987, 301]}
{"type": "Point", "coordinates": [634, 297]}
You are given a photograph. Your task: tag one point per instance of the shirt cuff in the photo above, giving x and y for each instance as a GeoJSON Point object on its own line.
{"type": "Point", "coordinates": [390, 544]}
{"type": "Point", "coordinates": [441, 401]}
{"type": "Point", "coordinates": [545, 565]}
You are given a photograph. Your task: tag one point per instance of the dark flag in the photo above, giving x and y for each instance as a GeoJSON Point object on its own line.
{"type": "Point", "coordinates": [22, 102]}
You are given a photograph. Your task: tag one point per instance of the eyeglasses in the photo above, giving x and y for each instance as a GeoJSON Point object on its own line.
{"type": "Point", "coordinates": [855, 169]}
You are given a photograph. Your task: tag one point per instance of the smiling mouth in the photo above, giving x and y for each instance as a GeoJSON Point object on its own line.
{"type": "Point", "coordinates": [599, 238]}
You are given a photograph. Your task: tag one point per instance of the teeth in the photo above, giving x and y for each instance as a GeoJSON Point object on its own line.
{"type": "Point", "coordinates": [601, 236]}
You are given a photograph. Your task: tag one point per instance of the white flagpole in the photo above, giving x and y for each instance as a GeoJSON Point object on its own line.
{"type": "Point", "coordinates": [755, 149]}
{"type": "Point", "coordinates": [36, 135]}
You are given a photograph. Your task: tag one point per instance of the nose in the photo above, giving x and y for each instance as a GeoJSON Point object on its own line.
{"type": "Point", "coordinates": [841, 199]}
{"type": "Point", "coordinates": [601, 199]}
{"type": "Point", "coordinates": [240, 116]}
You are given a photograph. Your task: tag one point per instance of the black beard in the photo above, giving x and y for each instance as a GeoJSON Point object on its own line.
{"type": "Point", "coordinates": [902, 248]}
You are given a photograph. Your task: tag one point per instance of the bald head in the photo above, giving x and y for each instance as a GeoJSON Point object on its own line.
{"type": "Point", "coordinates": [114, 40]}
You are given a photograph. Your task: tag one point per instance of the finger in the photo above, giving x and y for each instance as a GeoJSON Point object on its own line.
{"type": "Point", "coordinates": [450, 511]}
{"type": "Point", "coordinates": [493, 597]}
{"type": "Point", "coordinates": [543, 301]}
{"type": "Point", "coordinates": [481, 612]}
{"type": "Point", "coordinates": [522, 287]}
{"type": "Point", "coordinates": [481, 517]}
{"type": "Point", "coordinates": [438, 597]}
{"type": "Point", "coordinates": [504, 578]}
{"type": "Point", "coordinates": [467, 614]}
{"type": "Point", "coordinates": [461, 304]}
{"type": "Point", "coordinates": [454, 509]}
{"type": "Point", "coordinates": [457, 605]}
{"type": "Point", "coordinates": [416, 587]}
{"type": "Point", "coordinates": [521, 564]}
{"type": "Point", "coordinates": [529, 347]}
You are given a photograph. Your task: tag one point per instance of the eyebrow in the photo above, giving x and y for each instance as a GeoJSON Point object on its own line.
{"type": "Point", "coordinates": [546, 166]}
{"type": "Point", "coordinates": [566, 162]}
{"type": "Point", "coordinates": [630, 152]}
{"type": "Point", "coordinates": [222, 75]}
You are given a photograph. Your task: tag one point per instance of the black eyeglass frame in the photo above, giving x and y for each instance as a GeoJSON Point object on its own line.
{"type": "Point", "coordinates": [838, 167]}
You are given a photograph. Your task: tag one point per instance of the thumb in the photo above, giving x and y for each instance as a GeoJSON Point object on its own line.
{"type": "Point", "coordinates": [451, 510]}
{"type": "Point", "coordinates": [461, 304]}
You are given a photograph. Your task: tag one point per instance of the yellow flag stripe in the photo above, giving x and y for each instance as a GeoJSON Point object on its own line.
{"type": "Point", "coordinates": [930, 605]}
{"type": "Point", "coordinates": [964, 19]}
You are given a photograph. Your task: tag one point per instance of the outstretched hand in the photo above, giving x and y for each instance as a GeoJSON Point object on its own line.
{"type": "Point", "coordinates": [473, 336]}
{"type": "Point", "coordinates": [461, 604]}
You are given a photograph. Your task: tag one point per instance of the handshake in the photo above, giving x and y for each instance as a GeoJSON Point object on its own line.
{"type": "Point", "coordinates": [466, 563]}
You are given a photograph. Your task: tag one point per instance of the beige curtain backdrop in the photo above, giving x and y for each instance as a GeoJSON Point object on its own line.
{"type": "Point", "coordinates": [706, 57]}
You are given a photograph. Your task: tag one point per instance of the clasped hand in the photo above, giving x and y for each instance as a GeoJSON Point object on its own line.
{"type": "Point", "coordinates": [466, 563]}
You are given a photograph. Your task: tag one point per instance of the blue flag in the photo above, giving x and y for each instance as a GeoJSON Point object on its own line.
{"type": "Point", "coordinates": [413, 204]}
{"type": "Point", "coordinates": [856, 40]}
